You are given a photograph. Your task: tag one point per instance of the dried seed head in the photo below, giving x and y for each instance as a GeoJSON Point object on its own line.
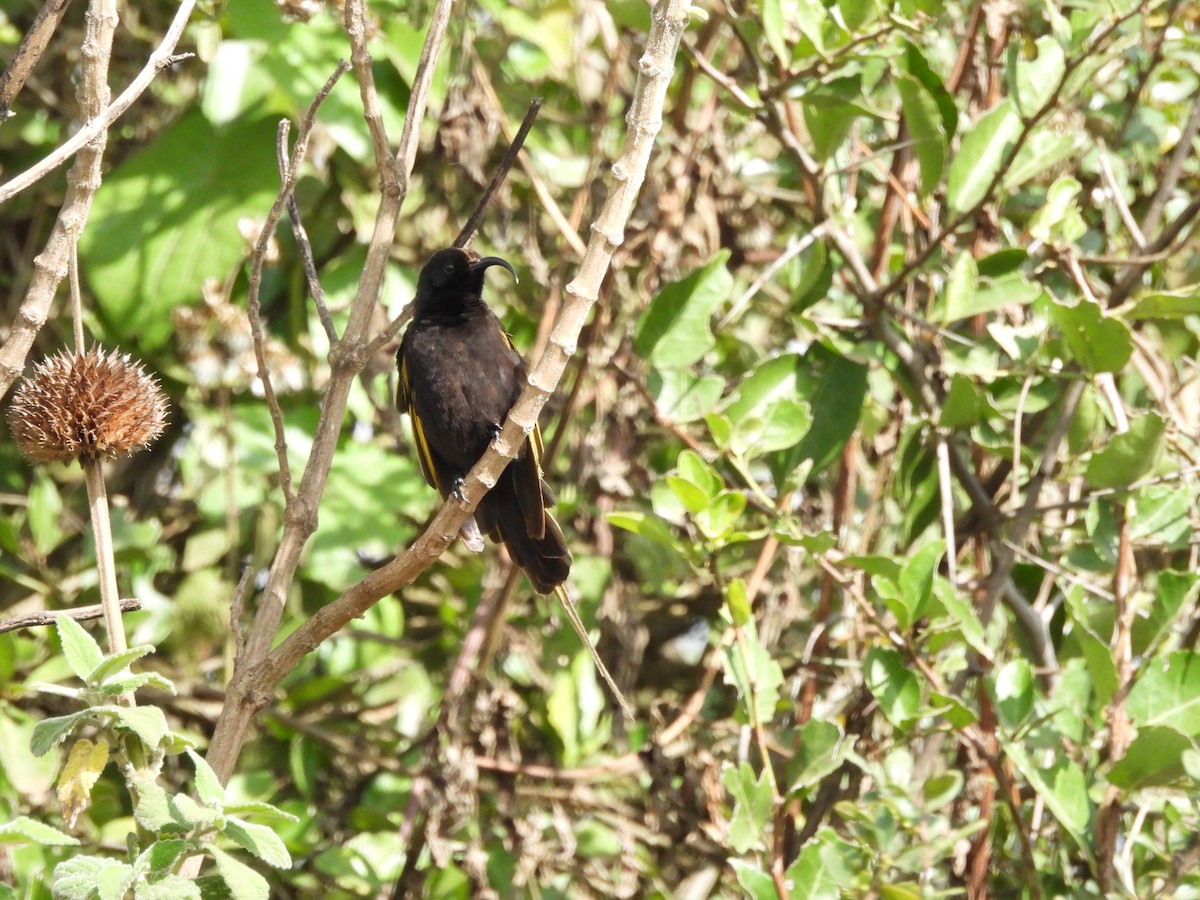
{"type": "Point", "coordinates": [86, 405]}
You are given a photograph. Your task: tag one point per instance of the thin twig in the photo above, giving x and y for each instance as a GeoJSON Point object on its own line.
{"type": "Point", "coordinates": [78, 613]}
{"type": "Point", "coordinates": [655, 69]}
{"type": "Point", "coordinates": [510, 156]}
{"type": "Point", "coordinates": [105, 559]}
{"type": "Point", "coordinates": [305, 247]}
{"type": "Point", "coordinates": [50, 266]}
{"type": "Point", "coordinates": [159, 59]}
{"type": "Point", "coordinates": [346, 359]}
{"type": "Point", "coordinates": [535, 179]}
{"type": "Point", "coordinates": [30, 50]}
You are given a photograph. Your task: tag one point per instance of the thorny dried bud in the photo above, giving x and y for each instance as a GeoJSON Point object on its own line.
{"type": "Point", "coordinates": [86, 405]}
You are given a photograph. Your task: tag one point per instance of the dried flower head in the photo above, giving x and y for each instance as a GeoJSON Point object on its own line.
{"type": "Point", "coordinates": [86, 405]}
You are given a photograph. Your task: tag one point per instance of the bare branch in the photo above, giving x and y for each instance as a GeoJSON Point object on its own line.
{"type": "Point", "coordinates": [99, 124]}
{"type": "Point", "coordinates": [50, 267]}
{"type": "Point", "coordinates": [644, 120]}
{"type": "Point", "coordinates": [78, 613]}
{"type": "Point", "coordinates": [510, 156]}
{"type": "Point", "coordinates": [346, 359]}
{"type": "Point", "coordinates": [32, 46]}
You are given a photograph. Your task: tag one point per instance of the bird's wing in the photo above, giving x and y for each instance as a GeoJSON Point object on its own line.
{"type": "Point", "coordinates": [407, 402]}
{"type": "Point", "coordinates": [527, 469]}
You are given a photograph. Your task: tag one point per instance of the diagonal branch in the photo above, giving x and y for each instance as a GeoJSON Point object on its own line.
{"type": "Point", "coordinates": [644, 120]}
{"type": "Point", "coordinates": [346, 359]}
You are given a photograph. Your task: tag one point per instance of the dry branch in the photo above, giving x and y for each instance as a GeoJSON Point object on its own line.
{"type": "Point", "coordinates": [89, 142]}
{"type": "Point", "coordinates": [346, 359]}
{"type": "Point", "coordinates": [644, 120]}
{"type": "Point", "coordinates": [78, 613]}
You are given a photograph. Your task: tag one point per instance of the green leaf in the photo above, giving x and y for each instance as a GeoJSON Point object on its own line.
{"type": "Point", "coordinates": [167, 219]}
{"type": "Point", "coordinates": [979, 158]}
{"type": "Point", "coordinates": [155, 810]}
{"type": "Point", "coordinates": [675, 330]}
{"type": "Point", "coordinates": [952, 710]}
{"type": "Point", "coordinates": [916, 578]}
{"type": "Point", "coordinates": [1128, 456]}
{"type": "Point", "coordinates": [1167, 692]}
{"type": "Point", "coordinates": [835, 388]}
{"type": "Point", "coordinates": [857, 13]}
{"type": "Point", "coordinates": [750, 668]}
{"type": "Point", "coordinates": [1098, 342]}
{"type": "Point", "coordinates": [757, 884]}
{"type": "Point", "coordinates": [693, 497]}
{"type": "Point", "coordinates": [682, 397]}
{"type": "Point", "coordinates": [753, 807]}
{"type": "Point", "coordinates": [767, 411]}
{"type": "Point", "coordinates": [161, 855]}
{"type": "Point", "coordinates": [819, 751]}
{"type": "Point", "coordinates": [1176, 591]}
{"type": "Point", "coordinates": [775, 28]}
{"type": "Point", "coordinates": [918, 67]}
{"type": "Point", "coordinates": [260, 840]}
{"type": "Point", "coordinates": [959, 298]}
{"type": "Point", "coordinates": [115, 662]}
{"type": "Point", "coordinates": [26, 830]}
{"type": "Point", "coordinates": [45, 509]}
{"type": "Point", "coordinates": [966, 296]}
{"type": "Point", "coordinates": [117, 685]}
{"type": "Point", "coordinates": [826, 867]}
{"type": "Point", "coordinates": [1033, 82]}
{"type": "Point", "coordinates": [169, 887]}
{"type": "Point", "coordinates": [208, 785]}
{"type": "Point", "coordinates": [924, 122]}
{"type": "Point", "coordinates": [1062, 785]}
{"type": "Point", "coordinates": [243, 882]}
{"type": "Point", "coordinates": [1014, 692]}
{"type": "Point", "coordinates": [718, 519]}
{"type": "Point", "coordinates": [1042, 153]}
{"type": "Point", "coordinates": [964, 404]}
{"type": "Point", "coordinates": [647, 526]}
{"type": "Point", "coordinates": [1163, 305]}
{"type": "Point", "coordinates": [737, 601]}
{"type": "Point", "coordinates": [147, 722]}
{"type": "Point", "coordinates": [695, 470]}
{"type": "Point", "coordinates": [896, 689]}
{"type": "Point", "coordinates": [50, 733]}
{"type": "Point", "coordinates": [81, 650]}
{"type": "Point", "coordinates": [84, 877]}
{"type": "Point", "coordinates": [940, 790]}
{"type": "Point", "coordinates": [261, 810]}
{"type": "Point", "coordinates": [1058, 221]}
{"type": "Point", "coordinates": [1154, 759]}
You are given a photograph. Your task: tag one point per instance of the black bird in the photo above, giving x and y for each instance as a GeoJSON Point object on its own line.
{"type": "Point", "coordinates": [459, 376]}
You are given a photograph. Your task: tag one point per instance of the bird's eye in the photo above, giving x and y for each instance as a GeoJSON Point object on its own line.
{"type": "Point", "coordinates": [448, 268]}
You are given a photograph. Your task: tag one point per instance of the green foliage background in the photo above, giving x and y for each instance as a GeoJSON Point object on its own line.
{"type": "Point", "coordinates": [880, 298]}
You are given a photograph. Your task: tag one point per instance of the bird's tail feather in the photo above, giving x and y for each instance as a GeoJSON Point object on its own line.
{"type": "Point", "coordinates": [546, 560]}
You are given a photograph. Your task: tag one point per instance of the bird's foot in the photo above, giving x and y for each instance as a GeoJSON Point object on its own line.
{"type": "Point", "coordinates": [457, 490]}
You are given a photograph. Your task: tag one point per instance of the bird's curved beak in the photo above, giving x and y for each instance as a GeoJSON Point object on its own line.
{"type": "Point", "coordinates": [480, 264]}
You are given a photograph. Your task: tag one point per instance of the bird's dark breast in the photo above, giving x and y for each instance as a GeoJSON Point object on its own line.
{"type": "Point", "coordinates": [464, 379]}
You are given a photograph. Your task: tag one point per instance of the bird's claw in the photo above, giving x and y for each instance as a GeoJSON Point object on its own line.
{"type": "Point", "coordinates": [457, 490]}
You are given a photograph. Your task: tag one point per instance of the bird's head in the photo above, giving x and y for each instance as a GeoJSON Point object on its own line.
{"type": "Point", "coordinates": [455, 272]}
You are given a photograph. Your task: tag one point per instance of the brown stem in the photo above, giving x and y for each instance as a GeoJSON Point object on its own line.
{"type": "Point", "coordinates": [105, 560]}
{"type": "Point", "coordinates": [32, 46]}
{"type": "Point", "coordinates": [78, 613]}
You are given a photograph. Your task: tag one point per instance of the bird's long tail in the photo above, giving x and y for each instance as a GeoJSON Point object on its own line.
{"type": "Point", "coordinates": [546, 559]}
{"type": "Point", "coordinates": [568, 606]}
